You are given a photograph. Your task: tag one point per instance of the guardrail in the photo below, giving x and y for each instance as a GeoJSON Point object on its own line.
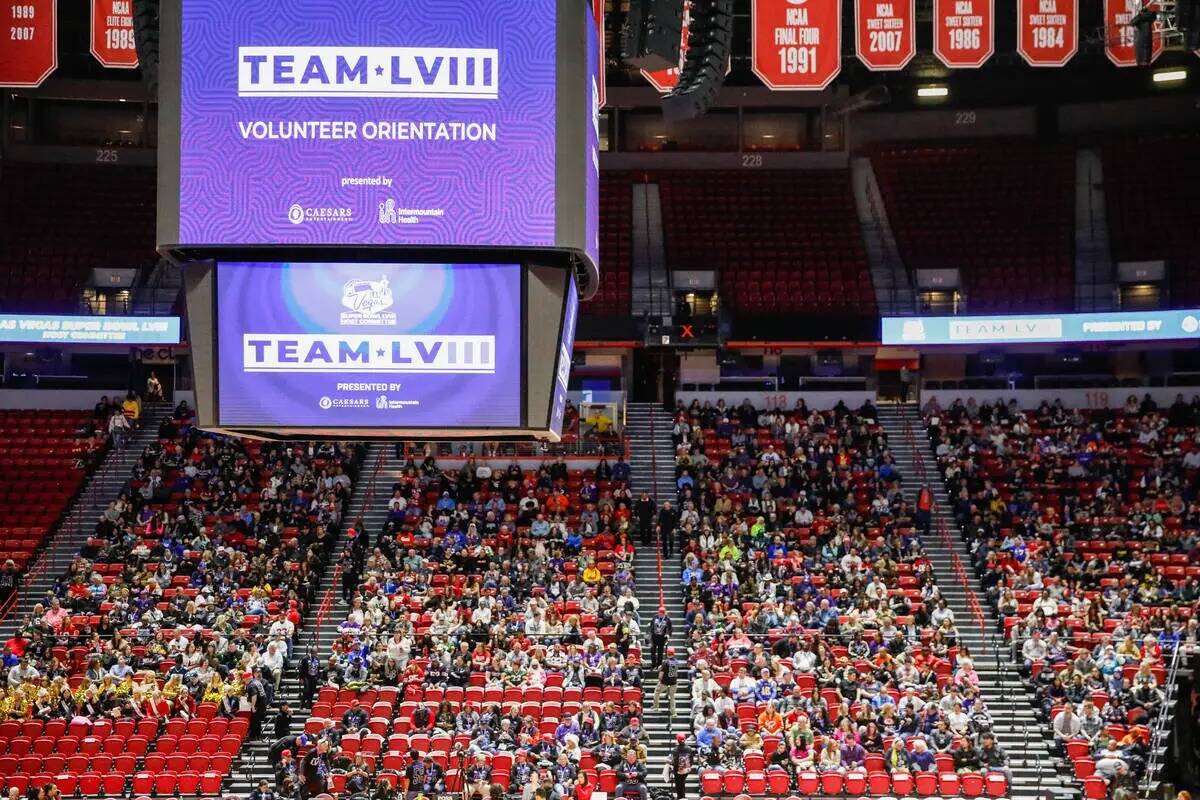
{"type": "Point", "coordinates": [659, 534]}
{"type": "Point", "coordinates": [89, 495]}
{"type": "Point", "coordinates": [1158, 733]}
{"type": "Point", "coordinates": [947, 541]}
{"type": "Point", "coordinates": [327, 600]}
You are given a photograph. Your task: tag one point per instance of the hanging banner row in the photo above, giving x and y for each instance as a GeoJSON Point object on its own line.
{"type": "Point", "coordinates": [797, 44]}
{"type": "Point", "coordinates": [29, 50]}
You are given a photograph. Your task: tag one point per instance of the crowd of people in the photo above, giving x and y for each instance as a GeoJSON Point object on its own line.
{"type": "Point", "coordinates": [818, 638]}
{"type": "Point", "coordinates": [184, 602]}
{"type": "Point", "coordinates": [500, 604]}
{"type": "Point", "coordinates": [1084, 527]}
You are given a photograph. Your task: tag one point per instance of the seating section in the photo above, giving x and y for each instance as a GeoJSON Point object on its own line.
{"type": "Point", "coordinates": [182, 605]}
{"type": "Point", "coordinates": [616, 245]}
{"type": "Point", "coordinates": [58, 221]}
{"type": "Point", "coordinates": [1002, 212]}
{"type": "Point", "coordinates": [44, 458]}
{"type": "Point", "coordinates": [1082, 537]}
{"type": "Point", "coordinates": [823, 658]}
{"type": "Point", "coordinates": [523, 574]}
{"type": "Point", "coordinates": [1149, 186]}
{"type": "Point", "coordinates": [783, 241]}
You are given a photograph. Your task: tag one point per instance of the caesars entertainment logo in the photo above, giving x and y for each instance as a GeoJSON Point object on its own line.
{"type": "Point", "coordinates": [300, 215]}
{"type": "Point", "coordinates": [326, 402]}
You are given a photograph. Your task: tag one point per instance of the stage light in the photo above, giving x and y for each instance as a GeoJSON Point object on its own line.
{"type": "Point", "coordinates": [1170, 76]}
{"type": "Point", "coordinates": [933, 92]}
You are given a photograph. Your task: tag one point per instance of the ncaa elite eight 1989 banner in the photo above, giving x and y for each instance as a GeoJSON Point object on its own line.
{"type": "Point", "coordinates": [385, 122]}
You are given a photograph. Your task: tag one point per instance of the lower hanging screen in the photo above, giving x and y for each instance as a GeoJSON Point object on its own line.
{"type": "Point", "coordinates": [369, 345]}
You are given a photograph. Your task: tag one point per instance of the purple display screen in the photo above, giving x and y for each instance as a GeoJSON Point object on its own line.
{"type": "Point", "coordinates": [369, 345]}
{"type": "Point", "coordinates": [562, 377]}
{"type": "Point", "coordinates": [374, 122]}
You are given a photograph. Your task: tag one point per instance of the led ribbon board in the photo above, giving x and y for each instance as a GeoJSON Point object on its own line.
{"type": "Point", "coordinates": [1043, 328]}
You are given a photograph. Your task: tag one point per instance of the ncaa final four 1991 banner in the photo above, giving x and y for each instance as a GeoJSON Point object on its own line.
{"type": "Point", "coordinates": [373, 122]}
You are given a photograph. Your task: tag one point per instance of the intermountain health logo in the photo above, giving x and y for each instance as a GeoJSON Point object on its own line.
{"type": "Point", "coordinates": [368, 302]}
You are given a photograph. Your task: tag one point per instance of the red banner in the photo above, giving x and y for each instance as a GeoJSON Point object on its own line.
{"type": "Point", "coordinates": [963, 32]}
{"type": "Point", "coordinates": [885, 33]}
{"type": "Point", "coordinates": [1047, 31]}
{"type": "Point", "coordinates": [1118, 33]}
{"type": "Point", "coordinates": [29, 49]}
{"type": "Point", "coordinates": [598, 13]}
{"type": "Point", "coordinates": [796, 46]}
{"type": "Point", "coordinates": [112, 33]}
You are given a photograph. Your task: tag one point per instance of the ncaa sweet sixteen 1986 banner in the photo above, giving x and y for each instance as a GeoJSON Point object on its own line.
{"type": "Point", "coordinates": [385, 122]}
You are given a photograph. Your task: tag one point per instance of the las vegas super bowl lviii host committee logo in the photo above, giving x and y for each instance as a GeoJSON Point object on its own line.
{"type": "Point", "coordinates": [368, 302]}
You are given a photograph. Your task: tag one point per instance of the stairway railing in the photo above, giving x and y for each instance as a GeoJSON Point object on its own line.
{"type": "Point", "coordinates": [59, 532]}
{"type": "Point", "coordinates": [659, 534]}
{"type": "Point", "coordinates": [326, 606]}
{"type": "Point", "coordinates": [943, 534]}
{"type": "Point", "coordinates": [1158, 733]}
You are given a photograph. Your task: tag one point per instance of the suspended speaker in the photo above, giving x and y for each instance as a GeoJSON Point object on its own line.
{"type": "Point", "coordinates": [145, 39]}
{"type": "Point", "coordinates": [651, 34]}
{"type": "Point", "coordinates": [710, 40]}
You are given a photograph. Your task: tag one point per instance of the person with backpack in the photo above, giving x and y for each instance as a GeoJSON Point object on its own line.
{"type": "Point", "coordinates": [668, 676]}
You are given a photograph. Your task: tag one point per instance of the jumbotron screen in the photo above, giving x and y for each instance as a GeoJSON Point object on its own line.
{"type": "Point", "coordinates": [369, 345]}
{"type": "Point", "coordinates": [377, 123]}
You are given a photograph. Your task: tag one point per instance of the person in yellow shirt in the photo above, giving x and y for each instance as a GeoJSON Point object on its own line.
{"type": "Point", "coordinates": [131, 407]}
{"type": "Point", "coordinates": [591, 574]}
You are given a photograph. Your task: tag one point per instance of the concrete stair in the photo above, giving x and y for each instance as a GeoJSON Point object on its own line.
{"type": "Point", "coordinates": [252, 763]}
{"type": "Point", "coordinates": [79, 522]}
{"type": "Point", "coordinates": [1020, 733]}
{"type": "Point", "coordinates": [651, 453]}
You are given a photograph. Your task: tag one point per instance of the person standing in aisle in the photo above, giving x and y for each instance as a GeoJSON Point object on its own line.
{"type": "Point", "coordinates": [660, 632]}
{"type": "Point", "coordinates": [680, 765]}
{"type": "Point", "coordinates": [668, 676]}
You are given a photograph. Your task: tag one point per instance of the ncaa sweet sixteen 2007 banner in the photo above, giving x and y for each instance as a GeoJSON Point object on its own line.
{"type": "Point", "coordinates": [385, 122]}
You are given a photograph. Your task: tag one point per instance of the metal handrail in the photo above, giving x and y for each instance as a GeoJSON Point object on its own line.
{"type": "Point", "coordinates": [88, 495]}
{"type": "Point", "coordinates": [326, 606]}
{"type": "Point", "coordinates": [1158, 732]}
{"type": "Point", "coordinates": [659, 534]}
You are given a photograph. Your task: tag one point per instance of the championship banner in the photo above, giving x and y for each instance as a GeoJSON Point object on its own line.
{"type": "Point", "coordinates": [1047, 31]}
{"type": "Point", "coordinates": [796, 47]}
{"type": "Point", "coordinates": [1118, 33]}
{"type": "Point", "coordinates": [112, 34]}
{"type": "Point", "coordinates": [30, 50]}
{"type": "Point", "coordinates": [598, 13]}
{"type": "Point", "coordinates": [884, 33]}
{"type": "Point", "coordinates": [963, 32]}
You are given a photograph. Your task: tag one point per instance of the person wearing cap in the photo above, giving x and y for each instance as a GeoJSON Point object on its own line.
{"type": "Point", "coordinates": [668, 677]}
{"type": "Point", "coordinates": [679, 765]}
{"type": "Point", "coordinates": [660, 632]}
{"type": "Point", "coordinates": [285, 770]}
{"type": "Point", "coordinates": [355, 717]}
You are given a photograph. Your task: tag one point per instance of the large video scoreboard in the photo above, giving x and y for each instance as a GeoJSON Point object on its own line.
{"type": "Point", "coordinates": [377, 199]}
